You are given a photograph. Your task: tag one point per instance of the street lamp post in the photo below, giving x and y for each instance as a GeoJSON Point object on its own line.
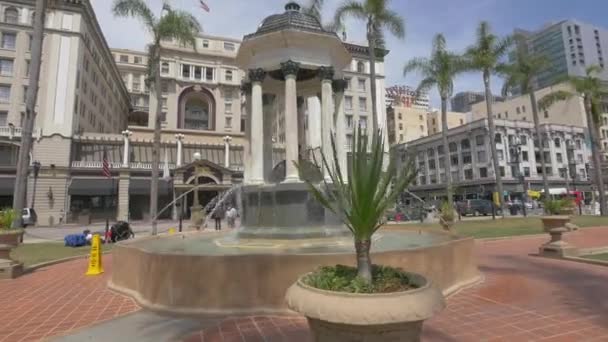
{"type": "Point", "coordinates": [36, 168]}
{"type": "Point", "coordinates": [572, 170]}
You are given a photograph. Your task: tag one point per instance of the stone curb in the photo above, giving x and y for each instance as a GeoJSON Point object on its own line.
{"type": "Point", "coordinates": [35, 267]}
{"type": "Point", "coordinates": [587, 261]}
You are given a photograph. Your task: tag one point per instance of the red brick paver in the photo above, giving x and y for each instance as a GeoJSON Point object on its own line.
{"type": "Point", "coordinates": [57, 299]}
{"type": "Point", "coordinates": [523, 298]}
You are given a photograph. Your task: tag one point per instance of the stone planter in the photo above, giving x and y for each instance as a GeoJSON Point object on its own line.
{"type": "Point", "coordinates": [341, 317]}
{"type": "Point", "coordinates": [550, 222]}
{"type": "Point", "coordinates": [11, 237]}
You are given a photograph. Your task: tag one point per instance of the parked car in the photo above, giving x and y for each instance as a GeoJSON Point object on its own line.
{"type": "Point", "coordinates": [29, 217]}
{"type": "Point", "coordinates": [477, 207]}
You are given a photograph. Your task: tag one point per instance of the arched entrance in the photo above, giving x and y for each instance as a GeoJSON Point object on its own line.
{"type": "Point", "coordinates": [197, 109]}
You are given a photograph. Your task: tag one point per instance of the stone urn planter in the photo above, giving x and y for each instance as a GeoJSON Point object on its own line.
{"type": "Point", "coordinates": [556, 221]}
{"type": "Point", "coordinates": [339, 316]}
{"type": "Point", "coordinates": [11, 237]}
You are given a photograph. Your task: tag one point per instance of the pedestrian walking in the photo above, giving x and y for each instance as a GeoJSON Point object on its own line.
{"type": "Point", "coordinates": [231, 215]}
{"type": "Point", "coordinates": [218, 215]}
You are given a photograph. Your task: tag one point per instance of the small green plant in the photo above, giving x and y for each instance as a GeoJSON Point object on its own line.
{"type": "Point", "coordinates": [447, 212]}
{"type": "Point", "coordinates": [6, 218]}
{"type": "Point", "coordinates": [344, 279]}
{"type": "Point", "coordinates": [558, 207]}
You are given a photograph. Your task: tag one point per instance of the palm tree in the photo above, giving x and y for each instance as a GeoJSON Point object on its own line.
{"type": "Point", "coordinates": [23, 161]}
{"type": "Point", "coordinates": [485, 56]}
{"type": "Point", "coordinates": [590, 88]}
{"type": "Point", "coordinates": [378, 17]}
{"type": "Point", "coordinates": [361, 199]}
{"type": "Point", "coordinates": [439, 70]}
{"type": "Point", "coordinates": [522, 73]}
{"type": "Point", "coordinates": [314, 8]}
{"type": "Point", "coordinates": [173, 25]}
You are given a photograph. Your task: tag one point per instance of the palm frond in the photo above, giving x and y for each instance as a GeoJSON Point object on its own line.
{"type": "Point", "coordinates": [393, 22]}
{"type": "Point", "coordinates": [349, 8]}
{"type": "Point", "coordinates": [550, 99]}
{"type": "Point", "coordinates": [136, 9]}
{"type": "Point", "coordinates": [179, 25]}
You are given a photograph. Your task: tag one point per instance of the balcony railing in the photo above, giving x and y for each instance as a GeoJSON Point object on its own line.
{"type": "Point", "coordinates": [135, 166]}
{"type": "Point", "coordinates": [7, 131]}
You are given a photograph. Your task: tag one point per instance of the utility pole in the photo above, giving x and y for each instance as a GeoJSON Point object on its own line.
{"type": "Point", "coordinates": [23, 160]}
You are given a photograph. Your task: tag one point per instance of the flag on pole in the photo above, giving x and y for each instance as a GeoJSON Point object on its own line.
{"type": "Point", "coordinates": [106, 165]}
{"type": "Point", "coordinates": [204, 5]}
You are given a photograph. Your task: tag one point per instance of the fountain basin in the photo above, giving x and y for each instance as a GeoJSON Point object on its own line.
{"type": "Point", "coordinates": [194, 273]}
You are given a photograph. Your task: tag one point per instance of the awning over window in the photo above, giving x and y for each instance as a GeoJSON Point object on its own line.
{"type": "Point", "coordinates": [93, 187]}
{"type": "Point", "coordinates": [142, 187]}
{"type": "Point", "coordinates": [7, 186]}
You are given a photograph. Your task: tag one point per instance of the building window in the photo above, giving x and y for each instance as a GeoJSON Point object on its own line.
{"type": "Point", "coordinates": [228, 107]}
{"type": "Point", "coordinates": [348, 102]}
{"type": "Point", "coordinates": [363, 122]}
{"type": "Point", "coordinates": [25, 98]}
{"type": "Point", "coordinates": [465, 144]}
{"type": "Point", "coordinates": [559, 157]}
{"type": "Point", "coordinates": [3, 118]}
{"type": "Point", "coordinates": [6, 67]}
{"type": "Point", "coordinates": [229, 46]}
{"type": "Point", "coordinates": [5, 93]}
{"type": "Point", "coordinates": [228, 122]}
{"type": "Point", "coordinates": [525, 156]}
{"type": "Point", "coordinates": [164, 102]}
{"type": "Point", "coordinates": [421, 128]}
{"type": "Point", "coordinates": [480, 140]}
{"type": "Point", "coordinates": [557, 142]}
{"type": "Point", "coordinates": [198, 72]}
{"type": "Point", "coordinates": [361, 83]}
{"type": "Point", "coordinates": [349, 121]}
{"type": "Point", "coordinates": [546, 114]}
{"type": "Point", "coordinates": [209, 74]}
{"type": "Point", "coordinates": [185, 71]}
{"type": "Point", "coordinates": [500, 154]}
{"type": "Point", "coordinates": [468, 174]}
{"type": "Point", "coordinates": [466, 158]}
{"type": "Point", "coordinates": [523, 109]}
{"type": "Point", "coordinates": [124, 59]}
{"type": "Point", "coordinates": [205, 44]}
{"type": "Point", "coordinates": [137, 60]}
{"type": "Point", "coordinates": [228, 75]}
{"type": "Point", "coordinates": [579, 158]}
{"type": "Point", "coordinates": [11, 15]}
{"type": "Point", "coordinates": [363, 104]}
{"type": "Point", "coordinates": [164, 68]}
{"type": "Point", "coordinates": [502, 171]}
{"type": "Point", "coordinates": [360, 67]}
{"type": "Point", "coordinates": [483, 172]}
{"type": "Point", "coordinates": [9, 40]}
{"type": "Point", "coordinates": [453, 147]}
{"type": "Point", "coordinates": [517, 110]}
{"type": "Point", "coordinates": [164, 87]}
{"type": "Point", "coordinates": [498, 138]}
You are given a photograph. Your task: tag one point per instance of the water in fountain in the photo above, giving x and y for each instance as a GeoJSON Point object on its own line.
{"type": "Point", "coordinates": [219, 201]}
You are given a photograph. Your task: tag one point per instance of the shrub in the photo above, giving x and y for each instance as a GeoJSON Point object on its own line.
{"type": "Point", "coordinates": [447, 212]}
{"type": "Point", "coordinates": [342, 278]}
{"type": "Point", "coordinates": [6, 218]}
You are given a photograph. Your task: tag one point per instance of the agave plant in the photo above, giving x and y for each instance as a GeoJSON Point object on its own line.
{"type": "Point", "coordinates": [362, 195]}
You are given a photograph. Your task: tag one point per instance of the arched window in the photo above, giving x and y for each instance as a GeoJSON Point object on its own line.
{"type": "Point", "coordinates": [197, 110]}
{"type": "Point", "coordinates": [557, 142]}
{"type": "Point", "coordinates": [164, 69]}
{"type": "Point", "coordinates": [11, 15]}
{"type": "Point", "coordinates": [360, 67]}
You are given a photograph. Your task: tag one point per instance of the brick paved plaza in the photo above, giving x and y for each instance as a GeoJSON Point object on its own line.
{"type": "Point", "coordinates": [523, 298]}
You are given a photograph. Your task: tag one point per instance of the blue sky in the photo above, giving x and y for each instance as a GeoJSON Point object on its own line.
{"type": "Point", "coordinates": [457, 19]}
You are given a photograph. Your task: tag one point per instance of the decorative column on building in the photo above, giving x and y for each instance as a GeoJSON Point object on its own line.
{"type": "Point", "coordinates": [256, 76]}
{"type": "Point", "coordinates": [125, 154]}
{"type": "Point", "coordinates": [290, 72]}
{"type": "Point", "coordinates": [246, 90]}
{"type": "Point", "coordinates": [180, 147]}
{"type": "Point", "coordinates": [327, 77]}
{"type": "Point", "coordinates": [340, 124]}
{"type": "Point", "coordinates": [227, 141]}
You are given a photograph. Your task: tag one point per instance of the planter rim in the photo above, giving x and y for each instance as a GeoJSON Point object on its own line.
{"type": "Point", "coordinates": [555, 217]}
{"type": "Point", "coordinates": [11, 231]}
{"type": "Point", "coordinates": [367, 309]}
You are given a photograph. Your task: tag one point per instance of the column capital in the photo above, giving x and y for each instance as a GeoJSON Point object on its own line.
{"type": "Point", "coordinates": [227, 139]}
{"type": "Point", "coordinates": [257, 75]}
{"type": "Point", "coordinates": [127, 133]}
{"type": "Point", "coordinates": [179, 137]}
{"type": "Point", "coordinates": [339, 85]}
{"type": "Point", "coordinates": [290, 68]}
{"type": "Point", "coordinates": [326, 73]}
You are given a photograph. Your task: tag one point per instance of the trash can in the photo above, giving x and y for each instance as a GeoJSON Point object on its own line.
{"type": "Point", "coordinates": [514, 210]}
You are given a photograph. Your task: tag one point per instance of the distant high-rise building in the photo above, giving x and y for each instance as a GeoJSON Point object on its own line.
{"type": "Point", "coordinates": [570, 46]}
{"type": "Point", "coordinates": [407, 97]}
{"type": "Point", "coordinates": [463, 101]}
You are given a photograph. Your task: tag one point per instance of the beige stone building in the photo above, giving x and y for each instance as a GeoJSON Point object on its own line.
{"type": "Point", "coordinates": [406, 124]}
{"type": "Point", "coordinates": [435, 122]}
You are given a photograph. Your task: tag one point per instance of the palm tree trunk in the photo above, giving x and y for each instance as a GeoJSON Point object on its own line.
{"type": "Point", "coordinates": [596, 155]}
{"type": "Point", "coordinates": [364, 262]}
{"type": "Point", "coordinates": [156, 141]}
{"type": "Point", "coordinates": [492, 129]}
{"type": "Point", "coordinates": [539, 136]}
{"type": "Point", "coordinates": [372, 75]}
{"type": "Point", "coordinates": [23, 161]}
{"type": "Point", "coordinates": [446, 150]}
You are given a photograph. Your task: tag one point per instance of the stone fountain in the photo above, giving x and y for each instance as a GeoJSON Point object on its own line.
{"type": "Point", "coordinates": [295, 69]}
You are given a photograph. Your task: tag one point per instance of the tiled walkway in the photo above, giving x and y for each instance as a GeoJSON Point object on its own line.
{"type": "Point", "coordinates": [57, 299]}
{"type": "Point", "coordinates": [523, 298]}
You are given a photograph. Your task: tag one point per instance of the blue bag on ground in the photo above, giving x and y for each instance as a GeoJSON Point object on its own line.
{"type": "Point", "coordinates": [75, 240]}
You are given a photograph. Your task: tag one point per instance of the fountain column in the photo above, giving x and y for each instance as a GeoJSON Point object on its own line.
{"type": "Point", "coordinates": [125, 155]}
{"type": "Point", "coordinates": [340, 124]}
{"type": "Point", "coordinates": [227, 140]}
{"type": "Point", "coordinates": [246, 112]}
{"type": "Point", "coordinates": [256, 164]}
{"type": "Point", "coordinates": [290, 72]}
{"type": "Point", "coordinates": [327, 76]}
{"type": "Point", "coordinates": [180, 146]}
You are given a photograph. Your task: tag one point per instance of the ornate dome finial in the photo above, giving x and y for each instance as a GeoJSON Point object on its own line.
{"type": "Point", "coordinates": [292, 6]}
